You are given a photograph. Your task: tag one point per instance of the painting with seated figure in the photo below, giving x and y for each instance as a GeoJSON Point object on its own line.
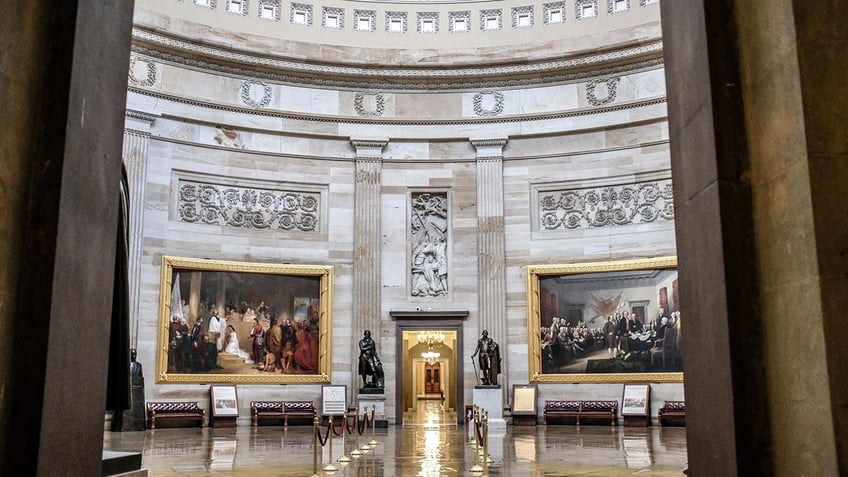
{"type": "Point", "coordinates": [240, 322]}
{"type": "Point", "coordinates": [605, 322]}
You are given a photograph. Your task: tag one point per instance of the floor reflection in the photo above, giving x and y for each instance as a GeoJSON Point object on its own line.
{"type": "Point", "coordinates": [429, 444]}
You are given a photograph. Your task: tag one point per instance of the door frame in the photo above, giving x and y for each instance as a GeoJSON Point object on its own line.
{"type": "Point", "coordinates": [429, 320]}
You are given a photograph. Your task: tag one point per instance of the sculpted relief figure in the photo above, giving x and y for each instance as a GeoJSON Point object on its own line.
{"type": "Point", "coordinates": [429, 238]}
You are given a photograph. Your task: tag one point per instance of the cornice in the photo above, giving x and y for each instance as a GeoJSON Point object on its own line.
{"type": "Point", "coordinates": [402, 121]}
{"type": "Point", "coordinates": [250, 64]}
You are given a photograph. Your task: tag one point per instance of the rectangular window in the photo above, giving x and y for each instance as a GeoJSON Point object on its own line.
{"type": "Point", "coordinates": [395, 25]}
{"type": "Point", "coordinates": [299, 17]}
{"type": "Point", "coordinates": [587, 11]}
{"type": "Point", "coordinates": [267, 12]}
{"type": "Point", "coordinates": [620, 5]}
{"type": "Point", "coordinates": [491, 23]}
{"type": "Point", "coordinates": [202, 3]}
{"type": "Point", "coordinates": [332, 21]}
{"type": "Point", "coordinates": [364, 24]}
{"type": "Point", "coordinates": [556, 16]}
{"type": "Point", "coordinates": [460, 25]}
{"type": "Point", "coordinates": [428, 25]}
{"type": "Point", "coordinates": [234, 6]}
{"type": "Point", "coordinates": [524, 20]}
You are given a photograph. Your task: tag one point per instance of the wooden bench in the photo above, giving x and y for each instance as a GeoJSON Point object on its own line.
{"type": "Point", "coordinates": [175, 411]}
{"type": "Point", "coordinates": [581, 410]}
{"type": "Point", "coordinates": [298, 411]}
{"type": "Point", "coordinates": [672, 411]}
{"type": "Point", "coordinates": [562, 410]}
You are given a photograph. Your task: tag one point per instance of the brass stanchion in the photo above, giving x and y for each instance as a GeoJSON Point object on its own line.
{"type": "Point", "coordinates": [373, 442]}
{"type": "Point", "coordinates": [344, 459]}
{"type": "Point", "coordinates": [330, 467]}
{"type": "Point", "coordinates": [476, 468]}
{"type": "Point", "coordinates": [355, 453]}
{"type": "Point", "coordinates": [486, 459]}
{"type": "Point", "coordinates": [315, 449]}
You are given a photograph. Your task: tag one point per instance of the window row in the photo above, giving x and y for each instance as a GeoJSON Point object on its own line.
{"type": "Point", "coordinates": [426, 22]}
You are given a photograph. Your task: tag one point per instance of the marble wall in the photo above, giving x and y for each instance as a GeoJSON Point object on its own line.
{"type": "Point", "coordinates": [592, 132]}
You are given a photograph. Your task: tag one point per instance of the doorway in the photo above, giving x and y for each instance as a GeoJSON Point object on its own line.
{"type": "Point", "coordinates": [430, 371]}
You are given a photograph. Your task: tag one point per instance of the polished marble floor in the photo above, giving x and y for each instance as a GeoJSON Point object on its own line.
{"type": "Point", "coordinates": [429, 444]}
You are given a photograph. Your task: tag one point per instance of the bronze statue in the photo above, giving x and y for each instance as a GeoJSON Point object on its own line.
{"type": "Point", "coordinates": [490, 359]}
{"type": "Point", "coordinates": [369, 363]}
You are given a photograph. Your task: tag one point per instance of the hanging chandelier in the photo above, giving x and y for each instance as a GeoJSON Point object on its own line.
{"type": "Point", "coordinates": [431, 339]}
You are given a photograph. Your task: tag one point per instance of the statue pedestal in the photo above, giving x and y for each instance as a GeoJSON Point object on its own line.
{"type": "Point", "coordinates": [133, 419]}
{"type": "Point", "coordinates": [490, 398]}
{"type": "Point", "coordinates": [375, 397]}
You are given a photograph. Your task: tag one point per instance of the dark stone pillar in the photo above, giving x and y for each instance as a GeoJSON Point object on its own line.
{"type": "Point", "coordinates": [64, 71]}
{"type": "Point", "coordinates": [757, 114]}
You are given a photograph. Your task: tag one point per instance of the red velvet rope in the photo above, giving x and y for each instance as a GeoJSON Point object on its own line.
{"type": "Point", "coordinates": [360, 425]}
{"type": "Point", "coordinates": [341, 429]}
{"type": "Point", "coordinates": [323, 440]}
{"type": "Point", "coordinates": [478, 428]}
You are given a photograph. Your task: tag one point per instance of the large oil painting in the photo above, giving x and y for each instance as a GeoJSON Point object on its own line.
{"type": "Point", "coordinates": [605, 322]}
{"type": "Point", "coordinates": [240, 322]}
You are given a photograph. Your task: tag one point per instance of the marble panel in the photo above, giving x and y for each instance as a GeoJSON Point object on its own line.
{"type": "Point", "coordinates": [547, 99]}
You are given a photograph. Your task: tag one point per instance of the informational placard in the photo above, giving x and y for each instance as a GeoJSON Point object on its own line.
{"type": "Point", "coordinates": [524, 399]}
{"type": "Point", "coordinates": [224, 400]}
{"type": "Point", "coordinates": [636, 400]}
{"type": "Point", "coordinates": [333, 400]}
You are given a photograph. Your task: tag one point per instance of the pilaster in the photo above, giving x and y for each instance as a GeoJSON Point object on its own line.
{"type": "Point", "coordinates": [366, 244]}
{"type": "Point", "coordinates": [137, 126]}
{"type": "Point", "coordinates": [491, 248]}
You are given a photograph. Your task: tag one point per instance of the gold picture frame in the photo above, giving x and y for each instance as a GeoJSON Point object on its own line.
{"type": "Point", "coordinates": [568, 307]}
{"type": "Point", "coordinates": [251, 298]}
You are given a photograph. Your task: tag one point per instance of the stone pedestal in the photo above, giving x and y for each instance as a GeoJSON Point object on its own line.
{"type": "Point", "coordinates": [490, 398]}
{"type": "Point", "coordinates": [369, 398]}
{"type": "Point", "coordinates": [133, 419]}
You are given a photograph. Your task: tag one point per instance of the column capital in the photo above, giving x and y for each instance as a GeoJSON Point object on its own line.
{"type": "Point", "coordinates": [489, 148]}
{"type": "Point", "coordinates": [369, 148]}
{"type": "Point", "coordinates": [140, 121]}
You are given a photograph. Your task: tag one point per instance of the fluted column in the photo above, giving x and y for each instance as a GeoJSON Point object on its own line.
{"type": "Point", "coordinates": [137, 126]}
{"type": "Point", "coordinates": [491, 250]}
{"type": "Point", "coordinates": [366, 244]}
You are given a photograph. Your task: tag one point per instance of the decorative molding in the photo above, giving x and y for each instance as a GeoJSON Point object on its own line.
{"type": "Point", "coordinates": [611, 6]}
{"type": "Point", "coordinates": [248, 207]}
{"type": "Point", "coordinates": [517, 12]}
{"type": "Point", "coordinates": [300, 7]}
{"type": "Point", "coordinates": [143, 78]}
{"type": "Point", "coordinates": [396, 16]}
{"type": "Point", "coordinates": [247, 93]}
{"type": "Point", "coordinates": [232, 61]}
{"type": "Point", "coordinates": [606, 206]}
{"type": "Point", "coordinates": [464, 16]}
{"type": "Point", "coordinates": [496, 13]}
{"type": "Point", "coordinates": [379, 104]}
{"type": "Point", "coordinates": [329, 11]}
{"type": "Point", "coordinates": [495, 110]}
{"type": "Point", "coordinates": [591, 93]}
{"type": "Point", "coordinates": [645, 3]}
{"type": "Point", "coordinates": [370, 15]}
{"type": "Point", "coordinates": [210, 4]}
{"type": "Point", "coordinates": [275, 6]}
{"type": "Point", "coordinates": [423, 16]}
{"type": "Point", "coordinates": [241, 4]}
{"type": "Point", "coordinates": [141, 115]}
{"type": "Point", "coordinates": [554, 7]}
{"type": "Point", "coordinates": [428, 226]}
{"type": "Point", "coordinates": [402, 122]}
{"type": "Point", "coordinates": [579, 5]}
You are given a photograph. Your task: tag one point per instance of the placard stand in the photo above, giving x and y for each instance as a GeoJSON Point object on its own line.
{"type": "Point", "coordinates": [636, 405]}
{"type": "Point", "coordinates": [224, 405]}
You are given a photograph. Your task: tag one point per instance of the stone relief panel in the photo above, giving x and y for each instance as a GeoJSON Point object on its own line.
{"type": "Point", "coordinates": [606, 88]}
{"type": "Point", "coordinates": [228, 137]}
{"type": "Point", "coordinates": [429, 238]}
{"type": "Point", "coordinates": [488, 103]}
{"type": "Point", "coordinates": [605, 206]}
{"type": "Point", "coordinates": [248, 207]}
{"type": "Point", "coordinates": [256, 94]}
{"type": "Point", "coordinates": [369, 104]}
{"type": "Point", "coordinates": [142, 72]}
